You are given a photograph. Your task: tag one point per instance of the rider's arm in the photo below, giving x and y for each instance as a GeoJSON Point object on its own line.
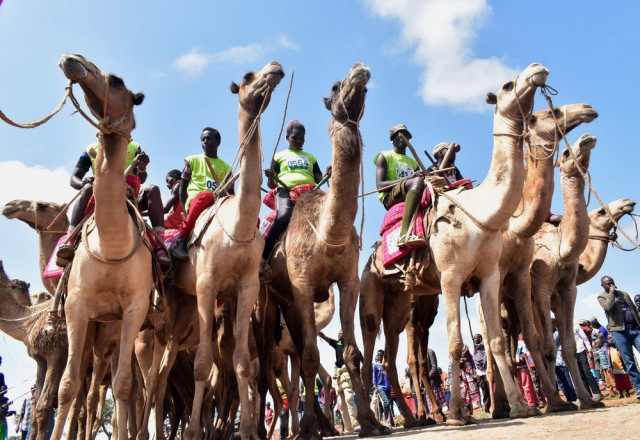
{"type": "Point", "coordinates": [173, 198]}
{"type": "Point", "coordinates": [271, 172]}
{"type": "Point", "coordinates": [317, 174]}
{"type": "Point", "coordinates": [186, 177]}
{"type": "Point", "coordinates": [78, 179]}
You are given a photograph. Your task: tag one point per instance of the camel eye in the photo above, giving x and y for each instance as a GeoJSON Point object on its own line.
{"type": "Point", "coordinates": [336, 87]}
{"type": "Point", "coordinates": [601, 212]}
{"type": "Point", "coordinates": [533, 119]}
{"type": "Point", "coordinates": [248, 77]}
{"type": "Point", "coordinates": [557, 112]}
{"type": "Point", "coordinates": [42, 206]}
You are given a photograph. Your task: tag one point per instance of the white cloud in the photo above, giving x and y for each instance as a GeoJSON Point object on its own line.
{"type": "Point", "coordinates": [195, 61]}
{"type": "Point", "coordinates": [286, 43]}
{"type": "Point", "coordinates": [441, 33]}
{"type": "Point", "coordinates": [35, 183]}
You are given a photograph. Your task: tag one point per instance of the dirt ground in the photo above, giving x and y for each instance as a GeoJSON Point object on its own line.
{"type": "Point", "coordinates": [621, 417]}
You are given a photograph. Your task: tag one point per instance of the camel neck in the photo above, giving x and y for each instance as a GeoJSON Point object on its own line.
{"type": "Point", "coordinates": [494, 201]}
{"type": "Point", "coordinates": [249, 180]}
{"type": "Point", "coordinates": [12, 314]}
{"type": "Point", "coordinates": [341, 203]}
{"type": "Point", "coordinates": [574, 227]}
{"type": "Point", "coordinates": [109, 190]}
{"type": "Point", "coordinates": [536, 197]}
{"type": "Point", "coordinates": [48, 241]}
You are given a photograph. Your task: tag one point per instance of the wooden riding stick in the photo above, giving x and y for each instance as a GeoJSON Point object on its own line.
{"type": "Point", "coordinates": [413, 151]}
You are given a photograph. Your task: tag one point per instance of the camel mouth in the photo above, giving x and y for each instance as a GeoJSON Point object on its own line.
{"type": "Point", "coordinates": [587, 141]}
{"type": "Point", "coordinates": [360, 74]}
{"type": "Point", "coordinates": [538, 74]}
{"type": "Point", "coordinates": [9, 211]}
{"type": "Point", "coordinates": [587, 113]}
{"type": "Point", "coordinates": [628, 207]}
{"type": "Point", "coordinates": [273, 73]}
{"type": "Point", "coordinates": [73, 67]}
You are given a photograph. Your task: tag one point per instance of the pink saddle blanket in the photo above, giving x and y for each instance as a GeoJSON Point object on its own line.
{"type": "Point", "coordinates": [52, 270]}
{"type": "Point", "coordinates": [390, 230]}
{"type": "Point", "coordinates": [269, 200]}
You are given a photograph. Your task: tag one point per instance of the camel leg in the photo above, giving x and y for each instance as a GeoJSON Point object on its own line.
{"type": "Point", "coordinates": [38, 417]}
{"type": "Point", "coordinates": [151, 387]}
{"type": "Point", "coordinates": [394, 323]}
{"type": "Point", "coordinates": [564, 318]}
{"type": "Point", "coordinates": [371, 308]}
{"type": "Point", "coordinates": [310, 358]}
{"type": "Point", "coordinates": [100, 367]}
{"type": "Point", "coordinates": [72, 377]}
{"type": "Point", "coordinates": [458, 415]}
{"type": "Point", "coordinates": [249, 288]}
{"type": "Point", "coordinates": [102, 397]}
{"type": "Point", "coordinates": [295, 392]}
{"type": "Point", "coordinates": [277, 401]}
{"type": "Point", "coordinates": [524, 307]}
{"type": "Point", "coordinates": [349, 288]}
{"type": "Point", "coordinates": [413, 351]}
{"type": "Point", "coordinates": [132, 320]}
{"type": "Point", "coordinates": [167, 362]}
{"type": "Point", "coordinates": [207, 292]}
{"type": "Point", "coordinates": [43, 409]}
{"type": "Point", "coordinates": [489, 288]}
{"type": "Point", "coordinates": [289, 388]}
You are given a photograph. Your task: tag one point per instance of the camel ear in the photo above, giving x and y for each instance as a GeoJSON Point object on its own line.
{"type": "Point", "coordinates": [28, 285]}
{"type": "Point", "coordinates": [327, 103]}
{"type": "Point", "coordinates": [235, 88]}
{"type": "Point", "coordinates": [138, 98]}
{"type": "Point", "coordinates": [491, 98]}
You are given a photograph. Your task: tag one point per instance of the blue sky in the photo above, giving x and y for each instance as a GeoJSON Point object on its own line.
{"type": "Point", "coordinates": [432, 61]}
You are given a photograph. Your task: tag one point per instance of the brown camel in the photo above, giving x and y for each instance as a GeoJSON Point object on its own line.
{"type": "Point", "coordinates": [111, 276]}
{"type": "Point", "coordinates": [555, 264]}
{"type": "Point", "coordinates": [39, 215]}
{"type": "Point", "coordinates": [27, 324]}
{"type": "Point", "coordinates": [545, 132]}
{"type": "Point", "coordinates": [226, 263]}
{"type": "Point", "coordinates": [320, 247]}
{"type": "Point", "coordinates": [600, 225]}
{"type": "Point", "coordinates": [465, 244]}
{"type": "Point", "coordinates": [20, 292]}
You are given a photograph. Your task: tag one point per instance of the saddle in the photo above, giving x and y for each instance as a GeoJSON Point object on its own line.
{"type": "Point", "coordinates": [269, 200]}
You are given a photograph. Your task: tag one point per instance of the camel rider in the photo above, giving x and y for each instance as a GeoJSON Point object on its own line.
{"type": "Point", "coordinates": [136, 162]}
{"type": "Point", "coordinates": [439, 152]}
{"type": "Point", "coordinates": [201, 176]}
{"type": "Point", "coordinates": [172, 207]}
{"type": "Point", "coordinates": [405, 182]}
{"type": "Point", "coordinates": [289, 168]}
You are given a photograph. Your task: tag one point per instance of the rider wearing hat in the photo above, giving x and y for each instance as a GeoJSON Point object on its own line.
{"type": "Point", "coordinates": [399, 173]}
{"type": "Point", "coordinates": [439, 153]}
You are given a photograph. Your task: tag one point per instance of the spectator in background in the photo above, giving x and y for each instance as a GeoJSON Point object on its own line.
{"type": "Point", "coordinates": [24, 422]}
{"type": "Point", "coordinates": [624, 325]}
{"type": "Point", "coordinates": [436, 382]}
{"type": "Point", "coordinates": [524, 376]}
{"type": "Point", "coordinates": [563, 378]}
{"type": "Point", "coordinates": [268, 415]}
{"type": "Point", "coordinates": [480, 360]}
{"type": "Point", "coordinates": [408, 392]}
{"type": "Point", "coordinates": [603, 333]}
{"type": "Point", "coordinates": [620, 376]}
{"type": "Point", "coordinates": [381, 382]}
{"type": "Point", "coordinates": [602, 353]}
{"type": "Point", "coordinates": [583, 347]}
{"type": "Point", "coordinates": [468, 386]}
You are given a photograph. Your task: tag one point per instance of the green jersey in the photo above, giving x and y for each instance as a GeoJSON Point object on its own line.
{"type": "Point", "coordinates": [296, 167]}
{"type": "Point", "coordinates": [132, 151]}
{"type": "Point", "coordinates": [399, 166]}
{"type": "Point", "coordinates": [201, 178]}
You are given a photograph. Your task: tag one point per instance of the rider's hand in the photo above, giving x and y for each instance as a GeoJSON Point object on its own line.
{"type": "Point", "coordinates": [88, 180]}
{"type": "Point", "coordinates": [269, 173]}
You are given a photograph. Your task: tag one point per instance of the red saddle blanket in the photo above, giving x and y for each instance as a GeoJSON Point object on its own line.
{"type": "Point", "coordinates": [269, 200]}
{"type": "Point", "coordinates": [390, 229]}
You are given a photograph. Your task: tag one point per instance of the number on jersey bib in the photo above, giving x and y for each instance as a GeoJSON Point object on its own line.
{"type": "Point", "coordinates": [211, 184]}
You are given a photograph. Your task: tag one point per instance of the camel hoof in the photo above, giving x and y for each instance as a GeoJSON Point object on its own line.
{"type": "Point", "coordinates": [520, 412]}
{"type": "Point", "coordinates": [413, 423]}
{"type": "Point", "coordinates": [439, 417]}
{"type": "Point", "coordinates": [533, 412]}
{"type": "Point", "coordinates": [591, 404]}
{"type": "Point", "coordinates": [373, 430]}
{"type": "Point", "coordinates": [429, 421]}
{"type": "Point", "coordinates": [455, 422]}
{"type": "Point", "coordinates": [561, 407]}
{"type": "Point", "coordinates": [329, 432]}
{"type": "Point", "coordinates": [502, 413]}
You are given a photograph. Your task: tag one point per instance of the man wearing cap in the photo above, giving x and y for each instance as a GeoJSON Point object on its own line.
{"type": "Point", "coordinates": [439, 152]}
{"type": "Point", "coordinates": [624, 325]}
{"type": "Point", "coordinates": [399, 174]}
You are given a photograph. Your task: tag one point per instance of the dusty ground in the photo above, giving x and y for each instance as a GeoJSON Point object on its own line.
{"type": "Point", "coordinates": [621, 417]}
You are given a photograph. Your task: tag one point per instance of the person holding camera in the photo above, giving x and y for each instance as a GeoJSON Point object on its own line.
{"type": "Point", "coordinates": [136, 162]}
{"type": "Point", "coordinates": [624, 325]}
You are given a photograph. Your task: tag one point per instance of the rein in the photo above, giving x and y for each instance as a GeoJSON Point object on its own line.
{"type": "Point", "coordinates": [39, 122]}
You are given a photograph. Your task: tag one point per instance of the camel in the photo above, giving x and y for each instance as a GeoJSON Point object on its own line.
{"type": "Point", "coordinates": [226, 262]}
{"type": "Point", "coordinates": [555, 264]}
{"type": "Point", "coordinates": [545, 132]}
{"type": "Point", "coordinates": [465, 244]}
{"type": "Point", "coordinates": [20, 292]}
{"type": "Point", "coordinates": [600, 225]}
{"type": "Point", "coordinates": [320, 247]}
{"type": "Point", "coordinates": [111, 276]}
{"type": "Point", "coordinates": [39, 215]}
{"type": "Point", "coordinates": [49, 350]}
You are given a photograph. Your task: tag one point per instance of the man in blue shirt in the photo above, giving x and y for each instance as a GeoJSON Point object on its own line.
{"type": "Point", "coordinates": [381, 381]}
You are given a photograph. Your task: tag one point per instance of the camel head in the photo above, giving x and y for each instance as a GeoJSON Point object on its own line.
{"type": "Point", "coordinates": [20, 291]}
{"type": "Point", "coordinates": [578, 156]}
{"type": "Point", "coordinates": [346, 102]}
{"type": "Point", "coordinates": [515, 99]}
{"type": "Point", "coordinates": [252, 92]}
{"type": "Point", "coordinates": [600, 220]}
{"type": "Point", "coordinates": [545, 131]}
{"type": "Point", "coordinates": [41, 297]}
{"type": "Point", "coordinates": [102, 92]}
{"type": "Point", "coordinates": [36, 214]}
